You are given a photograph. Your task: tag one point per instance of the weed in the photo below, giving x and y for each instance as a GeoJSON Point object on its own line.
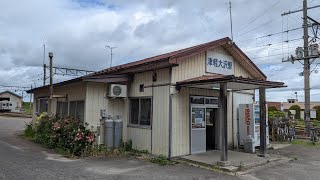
{"type": "Point", "coordinates": [161, 160]}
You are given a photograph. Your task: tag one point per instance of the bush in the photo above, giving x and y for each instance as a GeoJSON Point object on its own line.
{"type": "Point", "coordinates": [66, 135]}
{"type": "Point", "coordinates": [297, 109]}
{"type": "Point", "coordinates": [161, 160]}
{"type": "Point", "coordinates": [29, 131]}
{"type": "Point", "coordinates": [317, 108]}
{"type": "Point", "coordinates": [272, 108]}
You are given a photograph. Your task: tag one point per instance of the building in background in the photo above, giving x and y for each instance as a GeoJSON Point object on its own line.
{"type": "Point", "coordinates": [277, 105]}
{"type": "Point", "coordinates": [291, 102]}
{"type": "Point", "coordinates": [10, 101]}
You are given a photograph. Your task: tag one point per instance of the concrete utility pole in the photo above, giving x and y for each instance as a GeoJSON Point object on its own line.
{"type": "Point", "coordinates": [306, 66]}
{"type": "Point", "coordinates": [51, 84]}
{"type": "Point", "coordinates": [44, 74]}
{"type": "Point", "coordinates": [306, 60]}
{"type": "Point", "coordinates": [30, 106]}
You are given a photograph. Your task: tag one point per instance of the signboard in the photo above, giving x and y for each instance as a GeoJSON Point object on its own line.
{"type": "Point", "coordinates": [219, 63]}
{"type": "Point", "coordinates": [247, 117]}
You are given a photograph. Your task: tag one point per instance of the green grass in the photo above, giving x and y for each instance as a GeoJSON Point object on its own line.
{"type": "Point", "coordinates": [306, 143]}
{"type": "Point", "coordinates": [26, 107]}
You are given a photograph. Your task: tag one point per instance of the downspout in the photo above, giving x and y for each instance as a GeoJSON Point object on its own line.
{"type": "Point", "coordinates": [170, 115]}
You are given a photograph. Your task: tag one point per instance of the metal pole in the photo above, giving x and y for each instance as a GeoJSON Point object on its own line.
{"type": "Point", "coordinates": [230, 8]}
{"type": "Point", "coordinates": [30, 106]}
{"type": "Point", "coordinates": [306, 67]}
{"type": "Point", "coordinates": [223, 122]}
{"type": "Point", "coordinates": [44, 74]}
{"type": "Point", "coordinates": [111, 57]}
{"type": "Point", "coordinates": [51, 85]}
{"type": "Point", "coordinates": [263, 122]}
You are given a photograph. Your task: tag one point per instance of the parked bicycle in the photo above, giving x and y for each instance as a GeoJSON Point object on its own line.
{"type": "Point", "coordinates": [314, 135]}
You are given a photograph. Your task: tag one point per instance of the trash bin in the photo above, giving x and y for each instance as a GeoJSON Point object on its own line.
{"type": "Point", "coordinates": [248, 145]}
{"type": "Point", "coordinates": [118, 124]}
{"type": "Point", "coordinates": [109, 133]}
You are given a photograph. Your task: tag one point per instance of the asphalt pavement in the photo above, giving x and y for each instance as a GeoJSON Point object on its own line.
{"type": "Point", "coordinates": [21, 159]}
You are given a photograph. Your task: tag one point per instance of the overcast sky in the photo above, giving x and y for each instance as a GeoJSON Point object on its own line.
{"type": "Point", "coordinates": [78, 30]}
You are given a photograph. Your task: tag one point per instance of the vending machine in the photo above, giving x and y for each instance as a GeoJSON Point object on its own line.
{"type": "Point", "coordinates": [249, 123]}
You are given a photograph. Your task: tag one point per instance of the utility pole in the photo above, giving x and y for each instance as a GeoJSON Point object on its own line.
{"type": "Point", "coordinates": [30, 106]}
{"type": "Point", "coordinates": [306, 60]}
{"type": "Point", "coordinates": [44, 74]}
{"type": "Point", "coordinates": [306, 66]}
{"type": "Point", "coordinates": [51, 85]}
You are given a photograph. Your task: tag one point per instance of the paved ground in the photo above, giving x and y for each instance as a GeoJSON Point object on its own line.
{"type": "Point", "coordinates": [307, 165]}
{"type": "Point", "coordinates": [20, 159]}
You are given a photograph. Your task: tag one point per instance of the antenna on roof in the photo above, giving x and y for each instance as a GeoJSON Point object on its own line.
{"type": "Point", "coordinates": [111, 54]}
{"type": "Point", "coordinates": [230, 9]}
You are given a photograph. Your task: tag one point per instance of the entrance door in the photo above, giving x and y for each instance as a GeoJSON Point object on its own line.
{"type": "Point", "coordinates": [210, 128]}
{"type": "Point", "coordinates": [198, 130]}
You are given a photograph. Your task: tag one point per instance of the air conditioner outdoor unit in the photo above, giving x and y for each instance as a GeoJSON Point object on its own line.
{"type": "Point", "coordinates": [118, 90]}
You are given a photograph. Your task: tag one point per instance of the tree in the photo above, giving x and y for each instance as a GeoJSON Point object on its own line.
{"type": "Point", "coordinates": [317, 108]}
{"type": "Point", "coordinates": [297, 109]}
{"type": "Point", "coordinates": [272, 108]}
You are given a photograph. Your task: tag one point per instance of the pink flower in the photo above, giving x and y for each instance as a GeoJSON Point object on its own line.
{"type": "Point", "coordinates": [90, 137]}
{"type": "Point", "coordinates": [79, 136]}
{"type": "Point", "coordinates": [56, 126]}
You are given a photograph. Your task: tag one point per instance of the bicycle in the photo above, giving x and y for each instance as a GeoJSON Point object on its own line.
{"type": "Point", "coordinates": [313, 135]}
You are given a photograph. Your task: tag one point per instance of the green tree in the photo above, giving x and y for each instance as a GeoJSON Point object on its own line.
{"type": "Point", "coordinates": [272, 108]}
{"type": "Point", "coordinates": [317, 108]}
{"type": "Point", "coordinates": [297, 109]}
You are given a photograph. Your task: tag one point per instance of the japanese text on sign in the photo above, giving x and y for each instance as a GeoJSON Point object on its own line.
{"type": "Point", "coordinates": [219, 63]}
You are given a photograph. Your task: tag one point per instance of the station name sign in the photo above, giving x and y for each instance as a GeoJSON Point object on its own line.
{"type": "Point", "coordinates": [219, 63]}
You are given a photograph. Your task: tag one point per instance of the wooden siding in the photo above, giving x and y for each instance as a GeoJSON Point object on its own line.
{"type": "Point", "coordinates": [240, 71]}
{"type": "Point", "coordinates": [195, 66]}
{"type": "Point", "coordinates": [160, 114]}
{"type": "Point", "coordinates": [141, 138]}
{"type": "Point", "coordinates": [97, 100]}
{"type": "Point", "coordinates": [74, 91]}
{"type": "Point", "coordinates": [160, 121]}
{"type": "Point", "coordinates": [145, 78]}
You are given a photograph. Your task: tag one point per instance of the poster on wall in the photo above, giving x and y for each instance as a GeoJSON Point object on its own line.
{"type": "Point", "coordinates": [219, 63]}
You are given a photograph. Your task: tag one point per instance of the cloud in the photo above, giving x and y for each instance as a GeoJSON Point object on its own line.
{"type": "Point", "coordinates": [78, 30]}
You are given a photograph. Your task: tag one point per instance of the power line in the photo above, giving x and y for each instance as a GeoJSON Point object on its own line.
{"type": "Point", "coordinates": [259, 16]}
{"type": "Point", "coordinates": [259, 26]}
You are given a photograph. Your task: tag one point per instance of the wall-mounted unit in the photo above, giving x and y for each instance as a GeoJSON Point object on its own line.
{"type": "Point", "coordinates": [118, 90]}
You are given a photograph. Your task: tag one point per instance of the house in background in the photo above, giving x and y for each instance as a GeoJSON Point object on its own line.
{"type": "Point", "coordinates": [277, 105]}
{"type": "Point", "coordinates": [10, 101]}
{"type": "Point", "coordinates": [291, 102]}
{"type": "Point", "coordinates": [169, 103]}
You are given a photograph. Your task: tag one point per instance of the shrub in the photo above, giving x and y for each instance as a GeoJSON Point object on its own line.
{"type": "Point", "coordinates": [317, 108]}
{"type": "Point", "coordinates": [297, 109]}
{"type": "Point", "coordinates": [29, 131]}
{"type": "Point", "coordinates": [66, 135]}
{"type": "Point", "coordinates": [272, 108]}
{"type": "Point", "coordinates": [161, 160]}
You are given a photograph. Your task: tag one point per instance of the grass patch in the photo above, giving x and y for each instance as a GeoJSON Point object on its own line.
{"type": "Point", "coordinates": [161, 160]}
{"type": "Point", "coordinates": [306, 143]}
{"type": "Point", "coordinates": [26, 107]}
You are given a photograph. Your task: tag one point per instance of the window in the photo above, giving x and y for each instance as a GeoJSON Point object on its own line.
{"type": "Point", "coordinates": [140, 111]}
{"type": "Point", "coordinates": [62, 109]}
{"type": "Point", "coordinates": [42, 105]}
{"type": "Point", "coordinates": [76, 110]}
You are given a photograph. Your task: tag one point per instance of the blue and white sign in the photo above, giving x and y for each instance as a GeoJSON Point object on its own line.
{"type": "Point", "coordinates": [219, 63]}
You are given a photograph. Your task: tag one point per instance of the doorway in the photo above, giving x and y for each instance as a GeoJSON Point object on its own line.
{"type": "Point", "coordinates": [210, 128]}
{"type": "Point", "coordinates": [203, 123]}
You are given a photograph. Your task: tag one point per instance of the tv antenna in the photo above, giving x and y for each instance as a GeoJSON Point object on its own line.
{"type": "Point", "coordinates": [111, 54]}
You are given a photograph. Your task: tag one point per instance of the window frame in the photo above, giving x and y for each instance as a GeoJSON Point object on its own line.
{"type": "Point", "coordinates": [76, 109]}
{"type": "Point", "coordinates": [139, 113]}
{"type": "Point", "coordinates": [38, 104]}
